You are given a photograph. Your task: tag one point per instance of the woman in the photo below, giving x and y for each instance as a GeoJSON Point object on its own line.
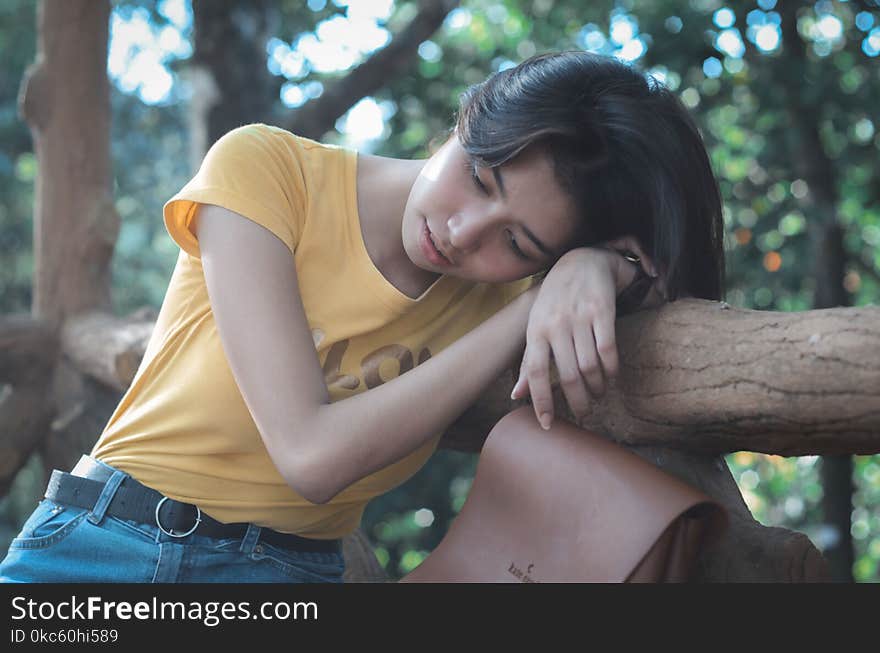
{"type": "Point", "coordinates": [275, 399]}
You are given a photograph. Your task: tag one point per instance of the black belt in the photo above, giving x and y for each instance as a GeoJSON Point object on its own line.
{"type": "Point", "coordinates": [137, 502]}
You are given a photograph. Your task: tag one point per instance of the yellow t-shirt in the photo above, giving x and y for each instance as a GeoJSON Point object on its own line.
{"type": "Point", "coordinates": [183, 427]}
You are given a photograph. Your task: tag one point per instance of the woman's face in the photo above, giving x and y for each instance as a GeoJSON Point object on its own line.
{"type": "Point", "coordinates": [491, 225]}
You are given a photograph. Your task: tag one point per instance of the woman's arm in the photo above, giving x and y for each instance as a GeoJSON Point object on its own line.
{"type": "Point", "coordinates": [320, 448]}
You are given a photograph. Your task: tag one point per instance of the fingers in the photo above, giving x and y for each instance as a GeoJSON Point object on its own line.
{"type": "Point", "coordinates": [585, 363]}
{"type": "Point", "coordinates": [572, 320]}
{"type": "Point", "coordinates": [536, 372]}
{"type": "Point", "coordinates": [589, 366]}
{"type": "Point", "coordinates": [516, 393]}
{"type": "Point", "coordinates": [521, 387]}
{"type": "Point", "coordinates": [606, 344]}
{"type": "Point", "coordinates": [570, 378]}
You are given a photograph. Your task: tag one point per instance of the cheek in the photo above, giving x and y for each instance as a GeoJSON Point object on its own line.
{"type": "Point", "coordinates": [497, 264]}
{"type": "Point", "coordinates": [444, 196]}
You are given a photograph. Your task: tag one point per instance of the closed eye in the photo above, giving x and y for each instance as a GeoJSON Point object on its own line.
{"type": "Point", "coordinates": [471, 166]}
{"type": "Point", "coordinates": [515, 246]}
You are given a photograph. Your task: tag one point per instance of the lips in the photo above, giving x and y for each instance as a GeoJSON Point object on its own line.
{"type": "Point", "coordinates": [431, 250]}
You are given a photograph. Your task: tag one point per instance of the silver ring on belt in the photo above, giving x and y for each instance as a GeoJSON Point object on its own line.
{"type": "Point", "coordinates": [171, 533]}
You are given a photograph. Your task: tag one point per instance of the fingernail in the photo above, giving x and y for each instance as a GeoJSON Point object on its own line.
{"type": "Point", "coordinates": [545, 420]}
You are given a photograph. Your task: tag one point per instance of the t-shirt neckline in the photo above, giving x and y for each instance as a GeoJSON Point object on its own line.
{"type": "Point", "coordinates": [390, 294]}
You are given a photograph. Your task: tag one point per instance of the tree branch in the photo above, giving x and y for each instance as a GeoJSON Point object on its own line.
{"type": "Point", "coordinates": [28, 349]}
{"type": "Point", "coordinates": [695, 375]}
{"type": "Point", "coordinates": [28, 353]}
{"type": "Point", "coordinates": [24, 425]}
{"type": "Point", "coordinates": [107, 348]}
{"type": "Point", "coordinates": [319, 115]}
{"type": "Point", "coordinates": [704, 376]}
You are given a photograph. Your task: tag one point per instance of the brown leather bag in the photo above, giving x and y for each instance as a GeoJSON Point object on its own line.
{"type": "Point", "coordinates": [567, 505]}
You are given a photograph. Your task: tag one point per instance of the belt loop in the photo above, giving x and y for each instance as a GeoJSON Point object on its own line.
{"type": "Point", "coordinates": [107, 494]}
{"type": "Point", "coordinates": [249, 541]}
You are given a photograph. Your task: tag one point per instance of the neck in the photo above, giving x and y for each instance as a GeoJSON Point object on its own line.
{"type": "Point", "coordinates": [383, 186]}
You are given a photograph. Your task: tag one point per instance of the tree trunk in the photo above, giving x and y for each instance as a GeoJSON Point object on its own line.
{"type": "Point", "coordinates": [836, 471]}
{"type": "Point", "coordinates": [231, 85]}
{"type": "Point", "coordinates": [65, 99]}
{"type": "Point", "coordinates": [747, 551]}
{"type": "Point", "coordinates": [814, 165]}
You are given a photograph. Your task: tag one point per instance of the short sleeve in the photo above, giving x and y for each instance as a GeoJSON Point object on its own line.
{"type": "Point", "coordinates": [255, 170]}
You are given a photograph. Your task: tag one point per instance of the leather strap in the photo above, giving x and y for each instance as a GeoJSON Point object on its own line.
{"type": "Point", "coordinates": [136, 502]}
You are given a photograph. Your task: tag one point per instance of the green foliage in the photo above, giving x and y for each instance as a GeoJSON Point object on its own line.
{"type": "Point", "coordinates": [149, 149]}
{"type": "Point", "coordinates": [17, 163]}
{"type": "Point", "coordinates": [409, 522]}
{"type": "Point", "coordinates": [746, 112]}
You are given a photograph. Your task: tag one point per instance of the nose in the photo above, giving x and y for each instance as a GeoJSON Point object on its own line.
{"type": "Point", "coordinates": [465, 231]}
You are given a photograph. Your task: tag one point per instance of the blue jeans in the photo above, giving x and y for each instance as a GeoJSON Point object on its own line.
{"type": "Point", "coordinates": [65, 544]}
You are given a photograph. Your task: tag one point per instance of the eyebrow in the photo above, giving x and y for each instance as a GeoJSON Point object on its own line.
{"type": "Point", "coordinates": [546, 251]}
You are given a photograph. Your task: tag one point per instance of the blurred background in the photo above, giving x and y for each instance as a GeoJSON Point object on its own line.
{"type": "Point", "coordinates": [787, 96]}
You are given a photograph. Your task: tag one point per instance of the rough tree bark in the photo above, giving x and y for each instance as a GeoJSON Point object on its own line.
{"type": "Point", "coordinates": [65, 100]}
{"type": "Point", "coordinates": [747, 380]}
{"type": "Point", "coordinates": [28, 350]}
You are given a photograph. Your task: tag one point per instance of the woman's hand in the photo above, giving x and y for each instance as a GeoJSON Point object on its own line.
{"type": "Point", "coordinates": [572, 319]}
